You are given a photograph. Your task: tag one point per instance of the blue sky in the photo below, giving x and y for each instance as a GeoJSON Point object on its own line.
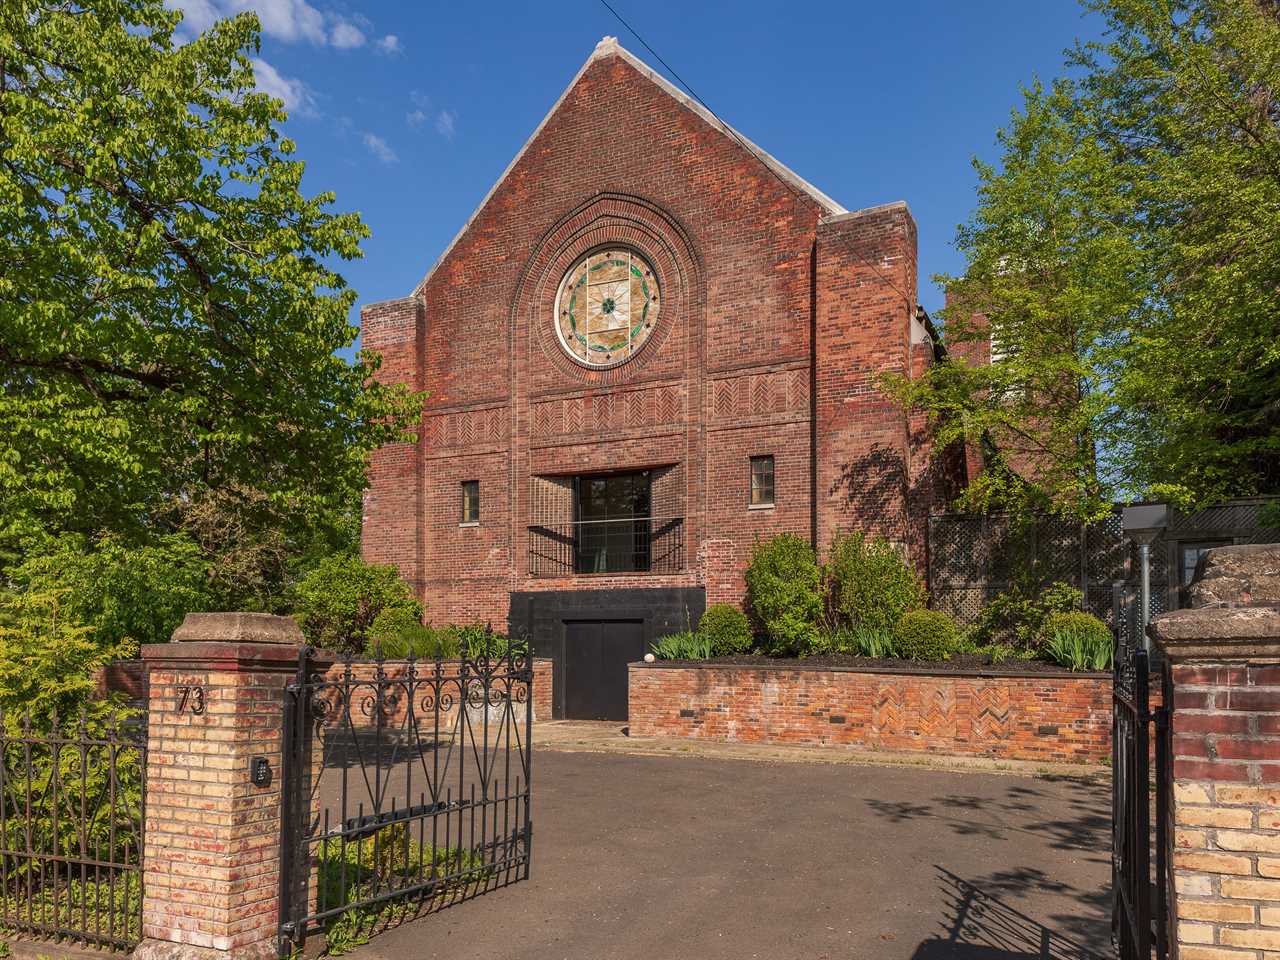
{"type": "Point", "coordinates": [410, 111]}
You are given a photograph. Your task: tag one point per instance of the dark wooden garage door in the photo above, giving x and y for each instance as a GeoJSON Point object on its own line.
{"type": "Point", "coordinates": [596, 654]}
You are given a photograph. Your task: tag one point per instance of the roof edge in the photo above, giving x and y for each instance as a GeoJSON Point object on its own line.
{"type": "Point", "coordinates": [609, 47]}
{"type": "Point", "coordinates": [867, 211]}
{"type": "Point", "coordinates": [372, 304]}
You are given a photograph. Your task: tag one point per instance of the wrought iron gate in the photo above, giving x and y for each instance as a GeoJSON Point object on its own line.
{"type": "Point", "coordinates": [1140, 900]}
{"type": "Point", "coordinates": [71, 822]}
{"type": "Point", "coordinates": [406, 788]}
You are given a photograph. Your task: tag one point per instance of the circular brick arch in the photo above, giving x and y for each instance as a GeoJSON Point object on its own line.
{"type": "Point", "coordinates": [604, 220]}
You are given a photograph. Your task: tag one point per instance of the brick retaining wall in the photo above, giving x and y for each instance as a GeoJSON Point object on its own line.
{"type": "Point", "coordinates": [1060, 717]}
{"type": "Point", "coordinates": [127, 677]}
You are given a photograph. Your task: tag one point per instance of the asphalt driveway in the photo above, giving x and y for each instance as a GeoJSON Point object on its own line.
{"type": "Point", "coordinates": [672, 857]}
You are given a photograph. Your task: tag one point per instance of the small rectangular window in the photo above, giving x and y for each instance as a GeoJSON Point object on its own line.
{"type": "Point", "coordinates": [470, 501]}
{"type": "Point", "coordinates": [762, 481]}
{"type": "Point", "coordinates": [1191, 554]}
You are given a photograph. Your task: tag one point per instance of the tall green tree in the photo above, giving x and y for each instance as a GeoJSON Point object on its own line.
{"type": "Point", "coordinates": [1124, 259]}
{"type": "Point", "coordinates": [169, 317]}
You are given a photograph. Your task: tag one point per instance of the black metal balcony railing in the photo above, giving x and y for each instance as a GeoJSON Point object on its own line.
{"type": "Point", "coordinates": [629, 545]}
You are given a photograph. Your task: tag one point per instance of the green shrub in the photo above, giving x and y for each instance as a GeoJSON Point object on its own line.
{"type": "Point", "coordinates": [390, 861]}
{"type": "Point", "coordinates": [784, 588]}
{"type": "Point", "coordinates": [444, 644]}
{"type": "Point", "coordinates": [1078, 641]}
{"type": "Point", "coordinates": [793, 634]}
{"type": "Point", "coordinates": [998, 653]}
{"type": "Point", "coordinates": [727, 628]}
{"type": "Point", "coordinates": [925, 635]}
{"type": "Point", "coordinates": [869, 583]}
{"type": "Point", "coordinates": [48, 659]}
{"type": "Point", "coordinates": [397, 633]}
{"type": "Point", "coordinates": [1018, 615]}
{"type": "Point", "coordinates": [394, 622]}
{"type": "Point", "coordinates": [134, 592]}
{"type": "Point", "coordinates": [475, 640]}
{"type": "Point", "coordinates": [337, 602]}
{"type": "Point", "coordinates": [861, 641]}
{"type": "Point", "coordinates": [685, 645]}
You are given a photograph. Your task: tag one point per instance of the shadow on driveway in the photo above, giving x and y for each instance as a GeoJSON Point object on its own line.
{"type": "Point", "coordinates": [982, 926]}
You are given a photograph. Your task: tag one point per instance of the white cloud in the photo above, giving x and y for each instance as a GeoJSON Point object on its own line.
{"type": "Point", "coordinates": [380, 148]}
{"type": "Point", "coordinates": [345, 35]}
{"type": "Point", "coordinates": [290, 21]}
{"type": "Point", "coordinates": [197, 15]}
{"type": "Point", "coordinates": [415, 118]}
{"type": "Point", "coordinates": [294, 93]}
{"type": "Point", "coordinates": [445, 123]}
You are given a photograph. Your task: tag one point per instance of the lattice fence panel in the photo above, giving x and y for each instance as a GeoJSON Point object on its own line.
{"type": "Point", "coordinates": [974, 558]}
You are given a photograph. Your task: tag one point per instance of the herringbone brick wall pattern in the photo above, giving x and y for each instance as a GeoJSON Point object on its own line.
{"type": "Point", "coordinates": [1050, 717]}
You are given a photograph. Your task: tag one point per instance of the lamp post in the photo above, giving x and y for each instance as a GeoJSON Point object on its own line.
{"type": "Point", "coordinates": [1142, 524]}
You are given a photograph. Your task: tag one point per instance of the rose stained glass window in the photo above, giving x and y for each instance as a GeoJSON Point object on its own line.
{"type": "Point", "coordinates": [607, 306]}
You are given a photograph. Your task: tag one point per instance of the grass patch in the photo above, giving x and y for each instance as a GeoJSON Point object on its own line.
{"type": "Point", "coordinates": [101, 910]}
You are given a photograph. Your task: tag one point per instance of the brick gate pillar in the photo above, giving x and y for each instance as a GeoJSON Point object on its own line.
{"type": "Point", "coordinates": [211, 856]}
{"type": "Point", "coordinates": [1225, 668]}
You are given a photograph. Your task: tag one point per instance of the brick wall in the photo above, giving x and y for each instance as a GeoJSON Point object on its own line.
{"type": "Point", "coordinates": [392, 512]}
{"type": "Point", "coordinates": [212, 855]}
{"type": "Point", "coordinates": [1049, 717]}
{"type": "Point", "coordinates": [747, 267]}
{"type": "Point", "coordinates": [866, 282]}
{"type": "Point", "coordinates": [1226, 766]}
{"type": "Point", "coordinates": [125, 677]}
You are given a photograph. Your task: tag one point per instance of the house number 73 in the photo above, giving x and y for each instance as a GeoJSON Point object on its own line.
{"type": "Point", "coordinates": [191, 699]}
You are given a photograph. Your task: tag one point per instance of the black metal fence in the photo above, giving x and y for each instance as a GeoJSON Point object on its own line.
{"type": "Point", "coordinates": [71, 822]}
{"type": "Point", "coordinates": [631, 545]}
{"type": "Point", "coordinates": [406, 789]}
{"type": "Point", "coordinates": [1140, 882]}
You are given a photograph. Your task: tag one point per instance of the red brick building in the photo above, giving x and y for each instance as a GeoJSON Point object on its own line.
{"type": "Point", "coordinates": [651, 345]}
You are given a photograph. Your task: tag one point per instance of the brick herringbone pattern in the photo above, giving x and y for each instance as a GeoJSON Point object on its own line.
{"type": "Point", "coordinates": [1054, 718]}
{"type": "Point", "coordinates": [890, 709]}
{"type": "Point", "coordinates": [937, 711]}
{"type": "Point", "coordinates": [990, 712]}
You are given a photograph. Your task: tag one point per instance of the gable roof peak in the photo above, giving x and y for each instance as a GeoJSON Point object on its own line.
{"type": "Point", "coordinates": [609, 47]}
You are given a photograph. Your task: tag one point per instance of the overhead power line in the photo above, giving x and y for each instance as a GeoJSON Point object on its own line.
{"type": "Point", "coordinates": [734, 133]}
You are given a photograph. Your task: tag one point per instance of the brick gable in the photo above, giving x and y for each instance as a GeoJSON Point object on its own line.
{"type": "Point", "coordinates": [750, 261]}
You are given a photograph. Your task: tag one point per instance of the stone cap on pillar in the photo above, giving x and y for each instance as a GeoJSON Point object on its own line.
{"type": "Point", "coordinates": [1219, 633]}
{"type": "Point", "coordinates": [238, 628]}
{"type": "Point", "coordinates": [231, 641]}
{"type": "Point", "coordinates": [1243, 575]}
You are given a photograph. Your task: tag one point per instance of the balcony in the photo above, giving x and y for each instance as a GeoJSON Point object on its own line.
{"type": "Point", "coordinates": [622, 545]}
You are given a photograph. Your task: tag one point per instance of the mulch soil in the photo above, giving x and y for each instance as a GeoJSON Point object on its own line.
{"type": "Point", "coordinates": [959, 663]}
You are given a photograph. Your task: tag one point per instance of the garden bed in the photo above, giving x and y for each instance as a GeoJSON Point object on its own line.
{"type": "Point", "coordinates": [959, 663]}
{"type": "Point", "coordinates": [1020, 710]}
